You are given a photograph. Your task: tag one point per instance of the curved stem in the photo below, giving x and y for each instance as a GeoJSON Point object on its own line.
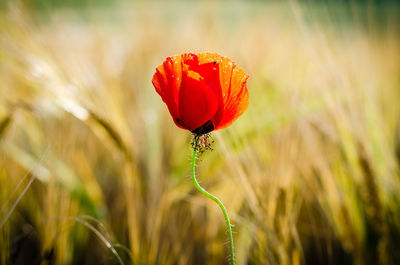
{"type": "Point", "coordinates": [212, 197]}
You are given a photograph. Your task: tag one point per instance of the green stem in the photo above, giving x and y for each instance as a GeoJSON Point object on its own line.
{"type": "Point", "coordinates": [212, 197]}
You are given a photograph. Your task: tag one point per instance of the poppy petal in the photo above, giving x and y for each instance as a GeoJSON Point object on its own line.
{"type": "Point", "coordinates": [207, 66]}
{"type": "Point", "coordinates": [198, 102]}
{"type": "Point", "coordinates": [167, 82]}
{"type": "Point", "coordinates": [234, 92]}
{"type": "Point", "coordinates": [206, 57]}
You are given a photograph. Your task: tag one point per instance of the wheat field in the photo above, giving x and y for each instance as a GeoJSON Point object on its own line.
{"type": "Point", "coordinates": [94, 171]}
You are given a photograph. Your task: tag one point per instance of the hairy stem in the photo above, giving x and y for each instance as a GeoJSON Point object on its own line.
{"type": "Point", "coordinates": [212, 197]}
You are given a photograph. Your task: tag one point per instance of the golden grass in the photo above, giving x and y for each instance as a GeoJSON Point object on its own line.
{"type": "Point", "coordinates": [93, 169]}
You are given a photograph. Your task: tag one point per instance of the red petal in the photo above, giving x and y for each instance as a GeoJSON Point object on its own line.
{"type": "Point", "coordinates": [205, 58]}
{"type": "Point", "coordinates": [198, 102]}
{"type": "Point", "coordinates": [167, 81]}
{"type": "Point", "coordinates": [207, 65]}
{"type": "Point", "coordinates": [234, 92]}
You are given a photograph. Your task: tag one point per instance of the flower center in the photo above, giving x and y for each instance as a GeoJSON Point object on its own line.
{"type": "Point", "coordinates": [205, 128]}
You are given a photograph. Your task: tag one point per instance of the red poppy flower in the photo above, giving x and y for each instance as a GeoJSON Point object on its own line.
{"type": "Point", "coordinates": [203, 92]}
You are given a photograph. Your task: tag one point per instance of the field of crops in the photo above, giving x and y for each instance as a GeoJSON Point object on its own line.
{"type": "Point", "coordinates": [94, 171]}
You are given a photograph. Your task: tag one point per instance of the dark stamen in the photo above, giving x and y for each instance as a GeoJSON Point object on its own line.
{"type": "Point", "coordinates": [205, 128]}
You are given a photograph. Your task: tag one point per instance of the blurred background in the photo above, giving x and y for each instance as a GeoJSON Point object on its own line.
{"type": "Point", "coordinates": [94, 171]}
